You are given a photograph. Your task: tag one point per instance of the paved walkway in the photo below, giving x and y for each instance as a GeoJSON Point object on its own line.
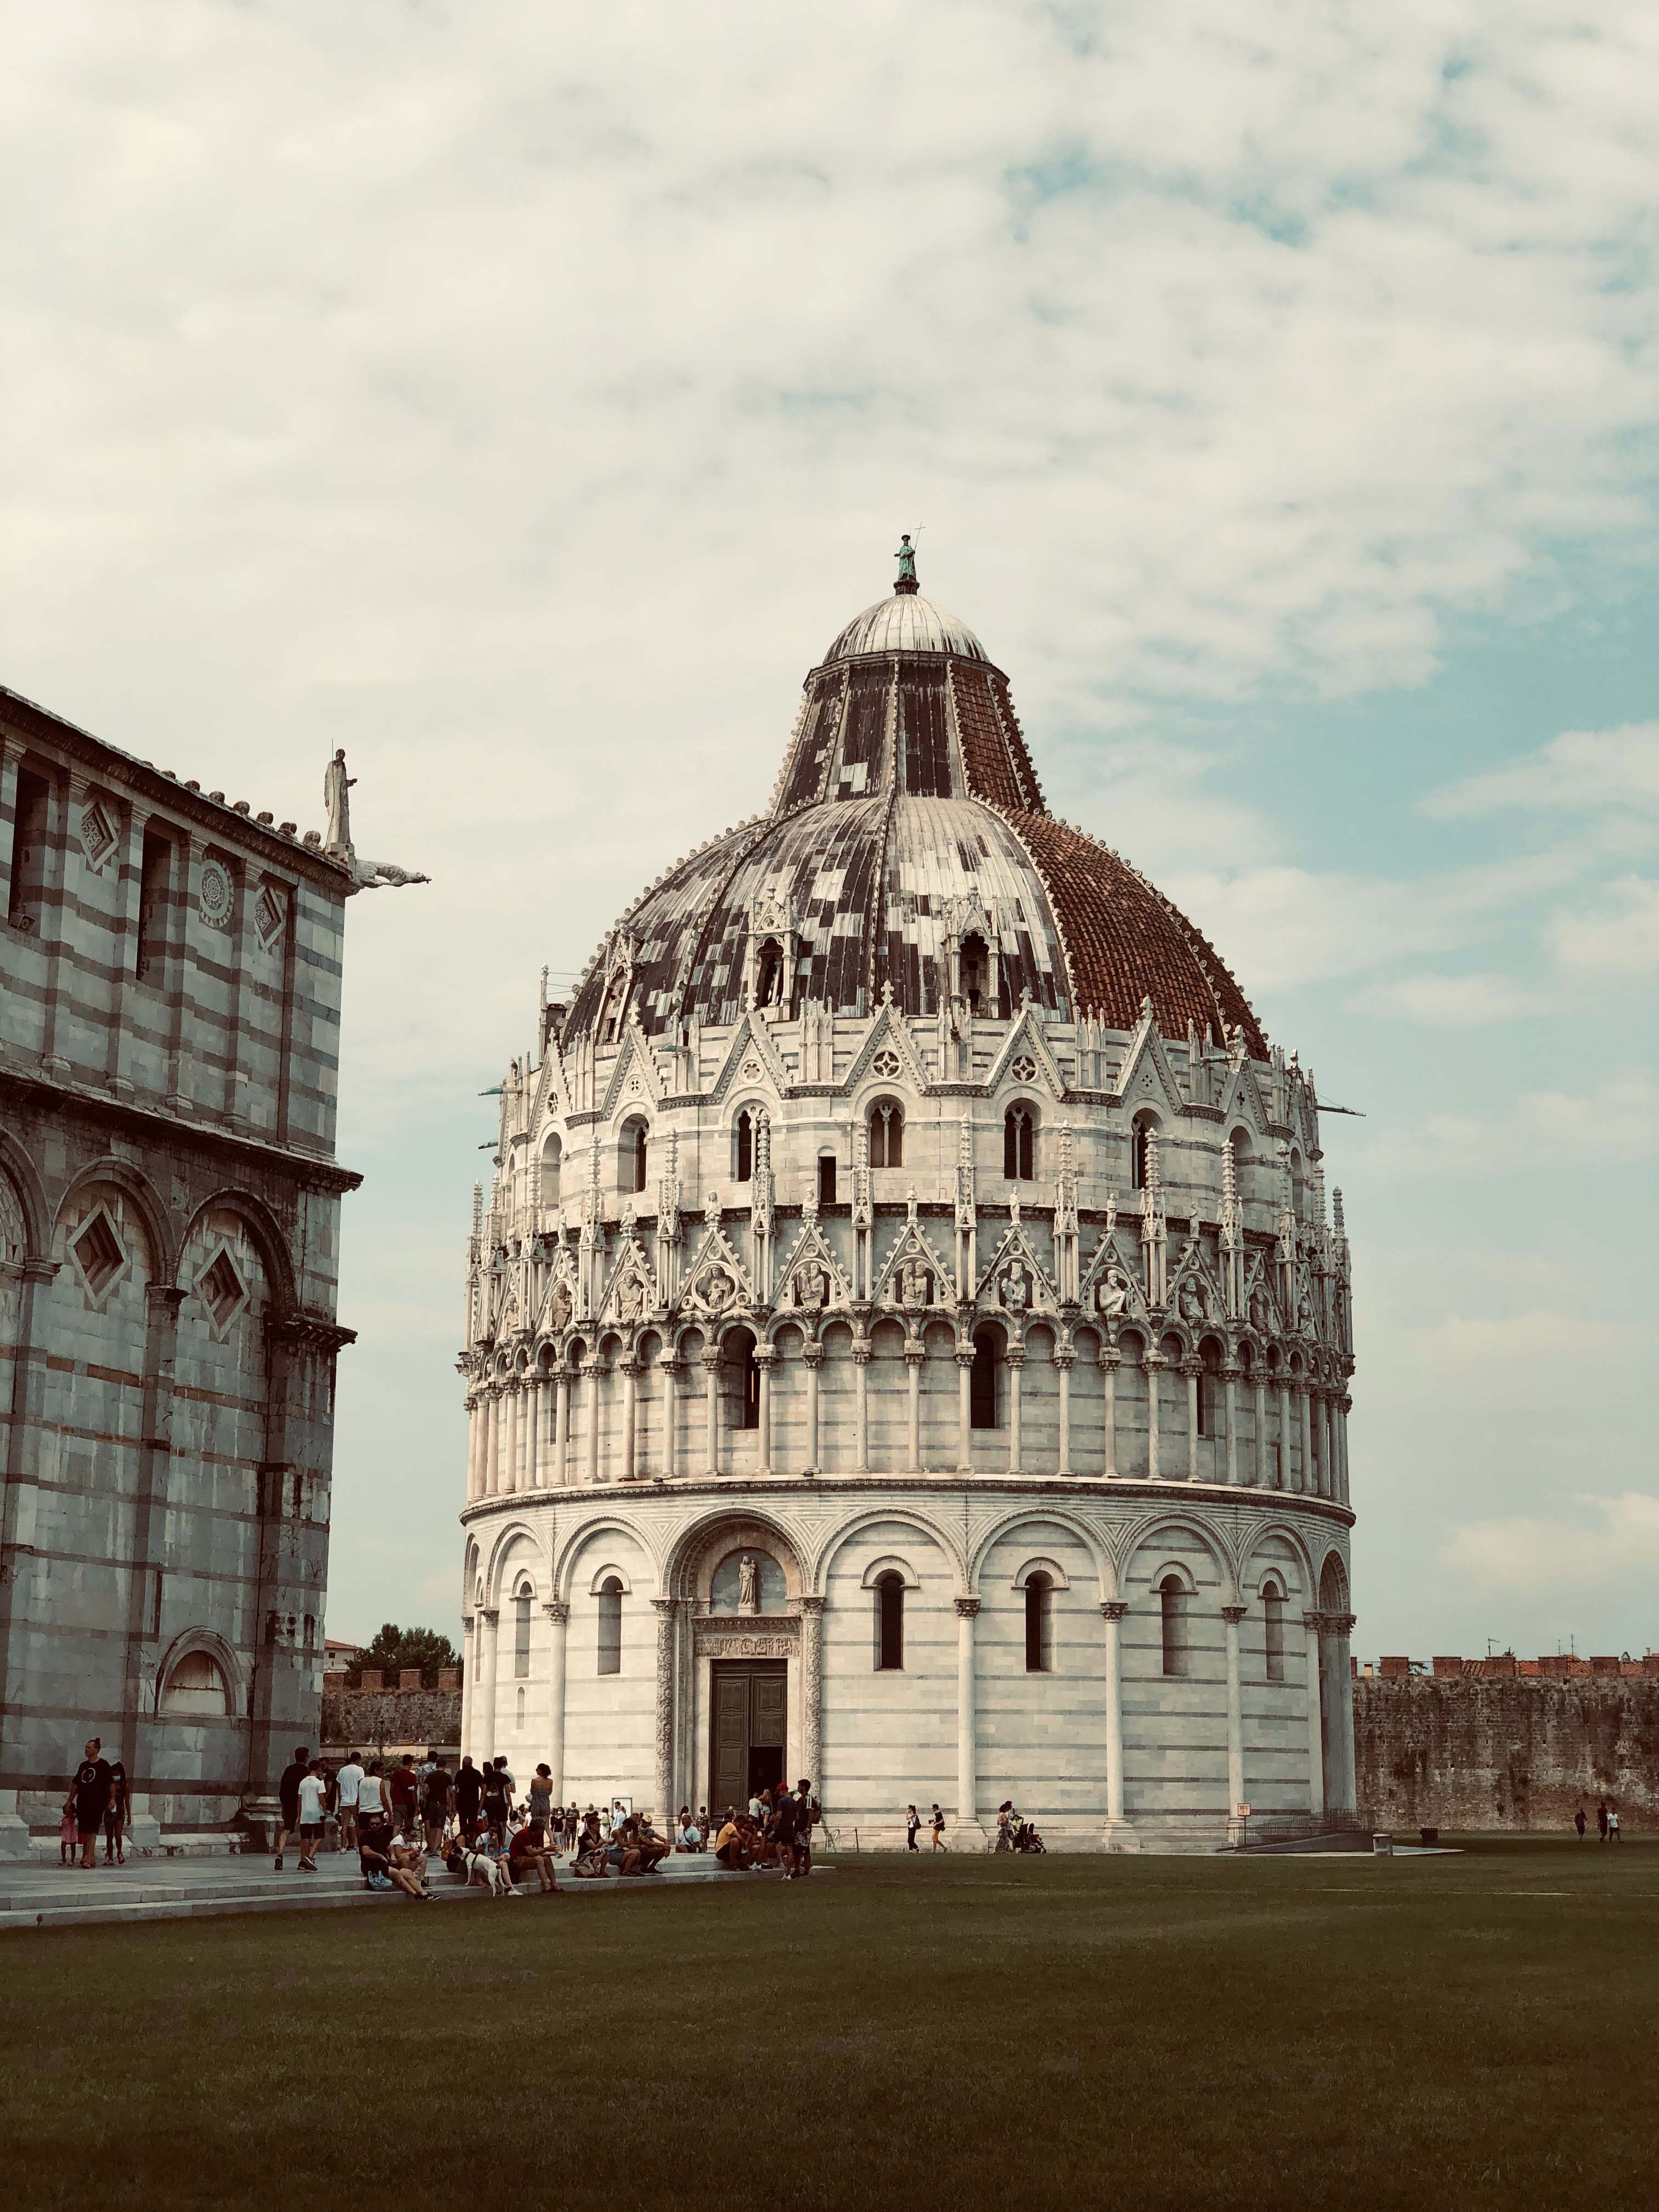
{"type": "Point", "coordinates": [50, 1896]}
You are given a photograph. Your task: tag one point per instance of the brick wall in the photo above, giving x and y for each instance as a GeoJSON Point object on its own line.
{"type": "Point", "coordinates": [1509, 1749]}
{"type": "Point", "coordinates": [369, 1718]}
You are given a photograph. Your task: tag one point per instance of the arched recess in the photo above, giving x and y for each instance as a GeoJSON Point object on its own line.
{"type": "Point", "coordinates": [1050, 1570]}
{"type": "Point", "coordinates": [701, 1548]}
{"type": "Point", "coordinates": [137, 1189]}
{"type": "Point", "coordinates": [890, 1564]}
{"type": "Point", "coordinates": [206, 1643]}
{"type": "Point", "coordinates": [1140, 1541]}
{"type": "Point", "coordinates": [1054, 1516]}
{"type": "Point", "coordinates": [274, 1255]}
{"type": "Point", "coordinates": [1257, 1555]}
{"type": "Point", "coordinates": [32, 1226]}
{"type": "Point", "coordinates": [516, 1536]}
{"type": "Point", "coordinates": [1334, 1584]}
{"type": "Point", "coordinates": [898, 1516]}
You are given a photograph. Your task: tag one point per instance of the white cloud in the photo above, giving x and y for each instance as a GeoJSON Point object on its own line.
{"type": "Point", "coordinates": [1455, 1002]}
{"type": "Point", "coordinates": [1543, 1131]}
{"type": "Point", "coordinates": [1621, 939]}
{"type": "Point", "coordinates": [1580, 769]}
{"type": "Point", "coordinates": [1605, 1542]}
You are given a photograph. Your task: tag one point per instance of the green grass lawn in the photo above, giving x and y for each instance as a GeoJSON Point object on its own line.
{"type": "Point", "coordinates": [1072, 2031]}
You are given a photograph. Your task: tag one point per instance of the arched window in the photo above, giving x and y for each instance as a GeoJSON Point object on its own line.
{"type": "Point", "coordinates": [521, 1633]}
{"type": "Point", "coordinates": [890, 1620]}
{"type": "Point", "coordinates": [1208, 1400]}
{"type": "Point", "coordinates": [631, 1154]}
{"type": "Point", "coordinates": [1018, 1146]}
{"type": "Point", "coordinates": [826, 1178]}
{"type": "Point", "coordinates": [887, 1133]}
{"type": "Point", "coordinates": [982, 1382]}
{"type": "Point", "coordinates": [1141, 1148]}
{"type": "Point", "coordinates": [517, 1713]}
{"type": "Point", "coordinates": [194, 1689]}
{"type": "Point", "coordinates": [743, 1147]}
{"type": "Point", "coordinates": [1039, 1618]}
{"type": "Point", "coordinates": [610, 1598]}
{"type": "Point", "coordinates": [1273, 1631]}
{"type": "Point", "coordinates": [975, 966]}
{"type": "Point", "coordinates": [1172, 1599]}
{"type": "Point", "coordinates": [740, 1353]}
{"type": "Point", "coordinates": [552, 1167]}
{"type": "Point", "coordinates": [1240, 1141]}
{"type": "Point", "coordinates": [768, 973]}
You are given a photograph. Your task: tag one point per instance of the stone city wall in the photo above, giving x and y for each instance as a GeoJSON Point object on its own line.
{"type": "Point", "coordinates": [1506, 1743]}
{"type": "Point", "coordinates": [374, 1719]}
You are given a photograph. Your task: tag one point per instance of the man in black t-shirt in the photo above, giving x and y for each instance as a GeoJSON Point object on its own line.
{"type": "Point", "coordinates": [288, 1796]}
{"type": "Point", "coordinates": [786, 1820]}
{"type": "Point", "coordinates": [469, 1789]}
{"type": "Point", "coordinates": [91, 1791]}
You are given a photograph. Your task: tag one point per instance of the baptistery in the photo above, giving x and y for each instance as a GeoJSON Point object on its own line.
{"type": "Point", "coordinates": [905, 1343]}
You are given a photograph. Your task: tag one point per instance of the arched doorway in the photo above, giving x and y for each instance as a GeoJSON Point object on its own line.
{"type": "Point", "coordinates": [745, 1723]}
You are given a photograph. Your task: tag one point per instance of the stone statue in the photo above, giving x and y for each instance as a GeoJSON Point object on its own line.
{"type": "Point", "coordinates": [906, 557]}
{"type": "Point", "coordinates": [1112, 1293]}
{"type": "Point", "coordinates": [812, 1286]}
{"type": "Point", "coordinates": [336, 787]}
{"type": "Point", "coordinates": [748, 1595]}
{"type": "Point", "coordinates": [1016, 1291]}
{"type": "Point", "coordinates": [916, 1284]}
{"type": "Point", "coordinates": [1192, 1303]}
{"type": "Point", "coordinates": [558, 1308]}
{"type": "Point", "coordinates": [714, 1289]}
{"type": "Point", "coordinates": [1261, 1312]}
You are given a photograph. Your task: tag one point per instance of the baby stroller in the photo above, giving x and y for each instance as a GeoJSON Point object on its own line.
{"type": "Point", "coordinates": [1026, 1839]}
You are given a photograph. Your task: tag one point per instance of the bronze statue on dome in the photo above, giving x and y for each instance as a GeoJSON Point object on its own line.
{"type": "Point", "coordinates": [906, 557]}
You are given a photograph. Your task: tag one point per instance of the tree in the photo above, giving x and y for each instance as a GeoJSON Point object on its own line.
{"type": "Point", "coordinates": [394, 1648]}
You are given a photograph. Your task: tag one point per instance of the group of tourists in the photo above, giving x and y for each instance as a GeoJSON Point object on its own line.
{"type": "Point", "coordinates": [1607, 1822]}
{"type": "Point", "coordinates": [398, 1817]}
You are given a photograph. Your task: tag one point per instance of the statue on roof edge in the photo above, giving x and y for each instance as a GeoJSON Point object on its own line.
{"type": "Point", "coordinates": [906, 557]}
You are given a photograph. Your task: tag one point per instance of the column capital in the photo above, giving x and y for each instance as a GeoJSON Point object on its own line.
{"type": "Point", "coordinates": [558, 1610]}
{"type": "Point", "coordinates": [1313, 1623]}
{"type": "Point", "coordinates": [967, 1608]}
{"type": "Point", "coordinates": [810, 1605]}
{"type": "Point", "coordinates": [1234, 1614]}
{"type": "Point", "coordinates": [1113, 1608]}
{"type": "Point", "coordinates": [1153, 1362]}
{"type": "Point", "coordinates": [666, 1605]}
{"type": "Point", "coordinates": [1340, 1624]}
{"type": "Point", "coordinates": [710, 1357]}
{"type": "Point", "coordinates": [489, 1614]}
{"type": "Point", "coordinates": [812, 1355]}
{"type": "Point", "coordinates": [964, 1357]}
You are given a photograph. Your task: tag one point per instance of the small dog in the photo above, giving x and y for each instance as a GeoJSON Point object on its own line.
{"type": "Point", "coordinates": [479, 1867]}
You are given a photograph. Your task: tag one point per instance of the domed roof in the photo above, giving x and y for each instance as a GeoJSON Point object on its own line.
{"type": "Point", "coordinates": [907, 820]}
{"type": "Point", "coordinates": [906, 623]}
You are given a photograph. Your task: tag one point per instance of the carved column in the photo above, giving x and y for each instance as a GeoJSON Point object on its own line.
{"type": "Point", "coordinates": [1311, 1624]}
{"type": "Point", "coordinates": [1063, 1361]}
{"type": "Point", "coordinates": [592, 1368]}
{"type": "Point", "coordinates": [1192, 1367]}
{"type": "Point", "coordinates": [968, 1823]}
{"type": "Point", "coordinates": [914, 1353]}
{"type": "Point", "coordinates": [1232, 1614]}
{"type": "Point", "coordinates": [513, 1407]}
{"type": "Point", "coordinates": [558, 1617]}
{"type": "Point", "coordinates": [663, 1810]}
{"type": "Point", "coordinates": [812, 1358]}
{"type": "Point", "coordinates": [536, 1422]}
{"type": "Point", "coordinates": [1016, 1365]}
{"type": "Point", "coordinates": [860, 1405]}
{"type": "Point", "coordinates": [765, 1356]}
{"type": "Point", "coordinates": [1230, 1373]}
{"type": "Point", "coordinates": [1310, 1471]}
{"type": "Point", "coordinates": [670, 1370]}
{"type": "Point", "coordinates": [964, 1410]}
{"type": "Point", "coordinates": [1287, 1473]}
{"type": "Point", "coordinates": [711, 1369]}
{"type": "Point", "coordinates": [1109, 1357]}
{"type": "Point", "coordinates": [629, 1371]}
{"type": "Point", "coordinates": [487, 1620]}
{"type": "Point", "coordinates": [1153, 1366]}
{"type": "Point", "coordinates": [562, 1423]}
{"type": "Point", "coordinates": [1118, 1832]}
{"type": "Point", "coordinates": [1261, 1427]}
{"type": "Point", "coordinates": [812, 1690]}
{"type": "Point", "coordinates": [469, 1672]}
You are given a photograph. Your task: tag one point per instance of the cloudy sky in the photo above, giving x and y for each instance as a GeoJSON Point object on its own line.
{"type": "Point", "coordinates": [523, 397]}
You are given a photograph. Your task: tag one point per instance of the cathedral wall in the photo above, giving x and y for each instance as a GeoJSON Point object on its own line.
{"type": "Point", "coordinates": [888, 1735]}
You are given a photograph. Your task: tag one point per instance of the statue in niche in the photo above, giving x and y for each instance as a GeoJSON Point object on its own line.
{"type": "Point", "coordinates": [916, 1284]}
{"type": "Point", "coordinates": [812, 1286]}
{"type": "Point", "coordinates": [714, 1290]}
{"type": "Point", "coordinates": [1192, 1306]}
{"type": "Point", "coordinates": [748, 1587]}
{"type": "Point", "coordinates": [1261, 1311]}
{"type": "Point", "coordinates": [559, 1306]}
{"type": "Point", "coordinates": [1015, 1290]}
{"type": "Point", "coordinates": [630, 1298]}
{"type": "Point", "coordinates": [1112, 1292]}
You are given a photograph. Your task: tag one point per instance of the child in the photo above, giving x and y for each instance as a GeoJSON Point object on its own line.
{"type": "Point", "coordinates": [67, 1835]}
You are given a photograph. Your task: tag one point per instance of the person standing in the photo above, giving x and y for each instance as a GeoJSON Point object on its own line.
{"type": "Point", "coordinates": [347, 1784]}
{"type": "Point", "coordinates": [937, 1824]}
{"type": "Point", "coordinates": [405, 1796]}
{"type": "Point", "coordinates": [91, 1793]}
{"type": "Point", "coordinates": [314, 1796]}
{"type": "Point", "coordinates": [1602, 1817]}
{"type": "Point", "coordinates": [115, 1816]}
{"type": "Point", "coordinates": [438, 1805]}
{"type": "Point", "coordinates": [786, 1818]}
{"type": "Point", "coordinates": [373, 1809]}
{"type": "Point", "coordinates": [288, 1797]}
{"type": "Point", "coordinates": [912, 1827]}
{"type": "Point", "coordinates": [1613, 1827]}
{"type": "Point", "coordinates": [1580, 1823]}
{"type": "Point", "coordinates": [541, 1805]}
{"type": "Point", "coordinates": [469, 1792]}
{"type": "Point", "coordinates": [496, 1805]}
